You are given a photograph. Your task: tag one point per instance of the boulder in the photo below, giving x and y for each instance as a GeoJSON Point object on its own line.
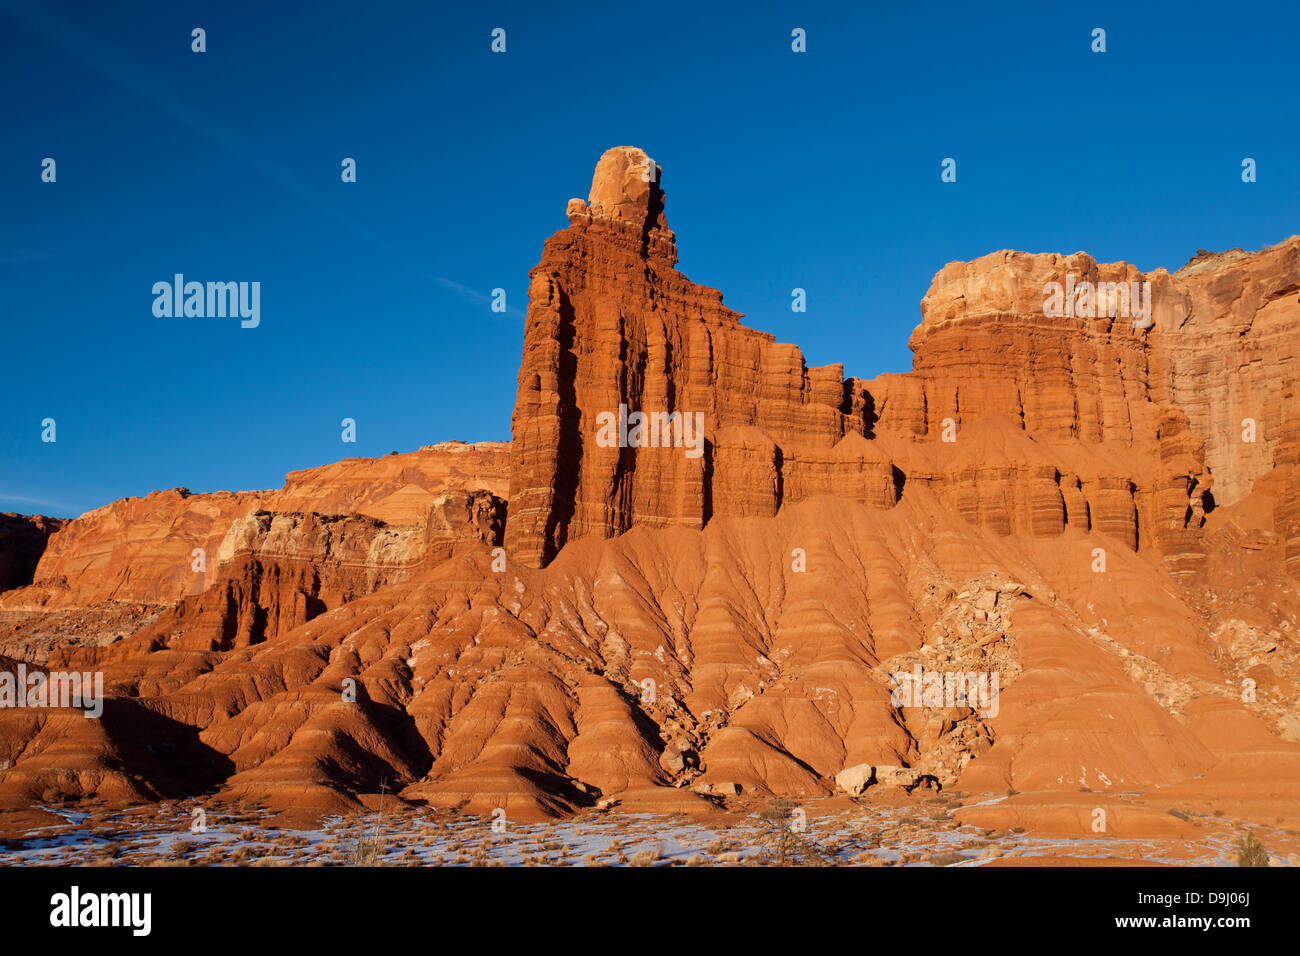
{"type": "Point", "coordinates": [854, 780]}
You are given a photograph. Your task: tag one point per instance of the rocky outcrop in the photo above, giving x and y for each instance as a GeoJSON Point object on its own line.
{"type": "Point", "coordinates": [459, 518]}
{"type": "Point", "coordinates": [615, 331]}
{"type": "Point", "coordinates": [396, 489]}
{"type": "Point", "coordinates": [276, 571]}
{"type": "Point", "coordinates": [1230, 359]}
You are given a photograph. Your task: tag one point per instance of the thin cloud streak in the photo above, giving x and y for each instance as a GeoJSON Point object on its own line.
{"type": "Point", "coordinates": [22, 499]}
{"type": "Point", "coordinates": [114, 63]}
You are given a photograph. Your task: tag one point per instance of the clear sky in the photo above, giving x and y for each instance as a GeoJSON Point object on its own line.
{"type": "Point", "coordinates": [819, 170]}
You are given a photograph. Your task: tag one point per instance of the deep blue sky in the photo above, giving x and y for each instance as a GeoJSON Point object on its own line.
{"type": "Point", "coordinates": [818, 170]}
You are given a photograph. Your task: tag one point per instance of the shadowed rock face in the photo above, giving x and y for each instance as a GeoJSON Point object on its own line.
{"type": "Point", "coordinates": [23, 539]}
{"type": "Point", "coordinates": [1035, 501]}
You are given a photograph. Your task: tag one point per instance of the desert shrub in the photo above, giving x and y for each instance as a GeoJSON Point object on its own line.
{"type": "Point", "coordinates": [946, 859]}
{"type": "Point", "coordinates": [1250, 852]}
{"type": "Point", "coordinates": [784, 845]}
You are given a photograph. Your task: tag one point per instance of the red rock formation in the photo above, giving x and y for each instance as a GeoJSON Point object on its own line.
{"type": "Point", "coordinates": [666, 629]}
{"type": "Point", "coordinates": [276, 571]}
{"type": "Point", "coordinates": [612, 325]}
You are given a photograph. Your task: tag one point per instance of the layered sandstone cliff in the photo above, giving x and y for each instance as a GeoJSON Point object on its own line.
{"type": "Point", "coordinates": [1097, 438]}
{"type": "Point", "coordinates": [225, 570]}
{"type": "Point", "coordinates": [613, 325]}
{"type": "Point", "coordinates": [143, 549]}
